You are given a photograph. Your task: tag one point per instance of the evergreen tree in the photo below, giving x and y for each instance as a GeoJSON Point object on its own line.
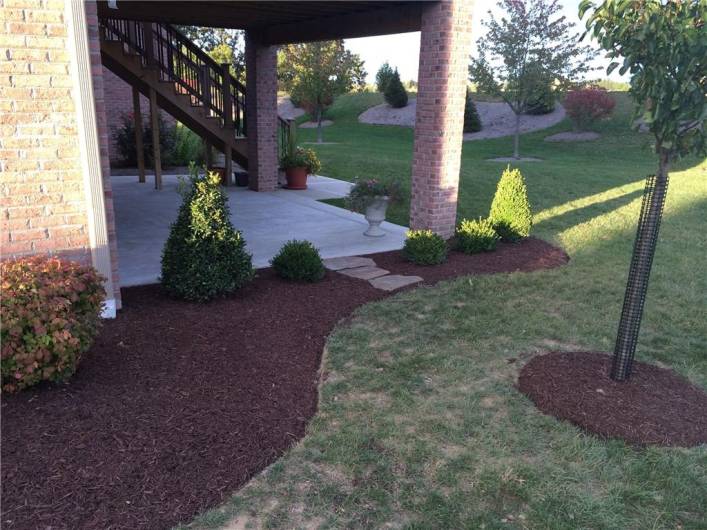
{"type": "Point", "coordinates": [395, 94]}
{"type": "Point", "coordinates": [510, 210]}
{"type": "Point", "coordinates": [472, 122]}
{"type": "Point", "coordinates": [204, 257]}
{"type": "Point", "coordinates": [383, 77]}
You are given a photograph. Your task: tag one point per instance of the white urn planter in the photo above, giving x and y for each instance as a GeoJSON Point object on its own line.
{"type": "Point", "coordinates": [375, 215]}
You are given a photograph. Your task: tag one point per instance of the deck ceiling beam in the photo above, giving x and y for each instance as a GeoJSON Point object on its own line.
{"type": "Point", "coordinates": [280, 22]}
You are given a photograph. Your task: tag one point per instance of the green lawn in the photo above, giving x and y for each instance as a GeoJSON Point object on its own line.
{"type": "Point", "coordinates": [420, 425]}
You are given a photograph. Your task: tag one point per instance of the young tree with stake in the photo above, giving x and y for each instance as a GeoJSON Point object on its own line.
{"type": "Point", "coordinates": [663, 45]}
{"type": "Point", "coordinates": [527, 50]}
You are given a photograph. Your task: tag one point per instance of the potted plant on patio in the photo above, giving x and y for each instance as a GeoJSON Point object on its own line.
{"type": "Point", "coordinates": [298, 163]}
{"type": "Point", "coordinates": [372, 197]}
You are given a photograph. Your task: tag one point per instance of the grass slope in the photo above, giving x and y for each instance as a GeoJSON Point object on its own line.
{"type": "Point", "coordinates": [420, 425]}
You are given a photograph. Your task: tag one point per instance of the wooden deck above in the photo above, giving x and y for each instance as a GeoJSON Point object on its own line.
{"type": "Point", "coordinates": [280, 22]}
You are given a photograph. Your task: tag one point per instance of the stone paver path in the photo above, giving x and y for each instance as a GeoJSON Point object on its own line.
{"type": "Point", "coordinates": [366, 269]}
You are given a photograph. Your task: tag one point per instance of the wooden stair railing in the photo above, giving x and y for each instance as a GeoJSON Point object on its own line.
{"type": "Point", "coordinates": [178, 60]}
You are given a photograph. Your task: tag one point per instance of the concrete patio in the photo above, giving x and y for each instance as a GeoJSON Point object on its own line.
{"type": "Point", "coordinates": [267, 220]}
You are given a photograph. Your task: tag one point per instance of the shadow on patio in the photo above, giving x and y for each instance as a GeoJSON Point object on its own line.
{"type": "Point", "coordinates": [267, 220]}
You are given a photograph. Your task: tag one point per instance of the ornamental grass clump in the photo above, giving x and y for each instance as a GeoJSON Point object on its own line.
{"type": "Point", "coordinates": [510, 210]}
{"type": "Point", "coordinates": [424, 247]}
{"type": "Point", "coordinates": [51, 312]}
{"type": "Point", "coordinates": [475, 235]}
{"type": "Point", "coordinates": [299, 261]}
{"type": "Point", "coordinates": [204, 256]}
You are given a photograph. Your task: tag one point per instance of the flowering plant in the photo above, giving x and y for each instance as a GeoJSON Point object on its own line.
{"type": "Point", "coordinates": [363, 192]}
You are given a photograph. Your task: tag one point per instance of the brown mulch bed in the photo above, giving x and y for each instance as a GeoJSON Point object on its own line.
{"type": "Point", "coordinates": [655, 406]}
{"type": "Point", "coordinates": [527, 255]}
{"type": "Point", "coordinates": [177, 405]}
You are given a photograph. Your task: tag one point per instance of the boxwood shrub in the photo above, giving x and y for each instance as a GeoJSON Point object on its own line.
{"type": "Point", "coordinates": [424, 247]}
{"type": "Point", "coordinates": [204, 256]}
{"type": "Point", "coordinates": [299, 261]}
{"type": "Point", "coordinates": [50, 311]}
{"type": "Point", "coordinates": [475, 235]}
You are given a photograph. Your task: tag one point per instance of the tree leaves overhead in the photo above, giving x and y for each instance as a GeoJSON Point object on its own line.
{"type": "Point", "coordinates": [663, 45]}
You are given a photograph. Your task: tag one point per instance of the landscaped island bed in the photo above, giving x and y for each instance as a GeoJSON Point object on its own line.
{"type": "Point", "coordinates": [179, 404]}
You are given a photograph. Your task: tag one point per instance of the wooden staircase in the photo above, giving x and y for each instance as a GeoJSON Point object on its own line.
{"type": "Point", "coordinates": [161, 62]}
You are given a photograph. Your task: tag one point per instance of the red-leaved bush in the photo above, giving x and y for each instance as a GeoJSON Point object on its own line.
{"type": "Point", "coordinates": [587, 105]}
{"type": "Point", "coordinates": [50, 311]}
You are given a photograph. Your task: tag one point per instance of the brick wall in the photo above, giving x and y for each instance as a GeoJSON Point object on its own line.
{"type": "Point", "coordinates": [445, 44]}
{"type": "Point", "coordinates": [119, 102]}
{"type": "Point", "coordinates": [42, 193]}
{"type": "Point", "coordinates": [261, 114]}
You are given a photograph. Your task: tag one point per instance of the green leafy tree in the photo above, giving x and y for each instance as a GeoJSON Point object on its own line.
{"type": "Point", "coordinates": [510, 209]}
{"type": "Point", "coordinates": [395, 94]}
{"type": "Point", "coordinates": [530, 48]}
{"type": "Point", "coordinates": [383, 76]}
{"type": "Point", "coordinates": [204, 257]}
{"type": "Point", "coordinates": [222, 45]}
{"type": "Point", "coordinates": [663, 45]}
{"type": "Point", "coordinates": [315, 73]}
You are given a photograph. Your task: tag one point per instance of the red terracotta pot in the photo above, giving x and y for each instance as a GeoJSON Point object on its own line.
{"type": "Point", "coordinates": [296, 178]}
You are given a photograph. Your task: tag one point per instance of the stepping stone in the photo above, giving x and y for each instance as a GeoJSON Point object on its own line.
{"type": "Point", "coordinates": [348, 262]}
{"type": "Point", "coordinates": [364, 273]}
{"type": "Point", "coordinates": [393, 281]}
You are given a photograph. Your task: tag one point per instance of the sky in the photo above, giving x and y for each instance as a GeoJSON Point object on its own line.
{"type": "Point", "coordinates": [401, 50]}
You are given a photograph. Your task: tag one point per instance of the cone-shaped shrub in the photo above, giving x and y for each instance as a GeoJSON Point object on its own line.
{"type": "Point", "coordinates": [299, 261]}
{"type": "Point", "coordinates": [472, 122]}
{"type": "Point", "coordinates": [204, 256]}
{"type": "Point", "coordinates": [395, 94]}
{"type": "Point", "coordinates": [510, 210]}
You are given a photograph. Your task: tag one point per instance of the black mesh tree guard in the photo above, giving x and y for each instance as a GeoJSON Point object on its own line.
{"type": "Point", "coordinates": [639, 272]}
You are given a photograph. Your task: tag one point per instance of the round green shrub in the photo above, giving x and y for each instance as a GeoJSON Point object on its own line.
{"type": "Point", "coordinates": [299, 261]}
{"type": "Point", "coordinates": [51, 312]}
{"type": "Point", "coordinates": [475, 235]}
{"type": "Point", "coordinates": [424, 247]}
{"type": "Point", "coordinates": [472, 121]}
{"type": "Point", "coordinates": [510, 210]}
{"type": "Point", "coordinates": [204, 256]}
{"type": "Point", "coordinates": [395, 94]}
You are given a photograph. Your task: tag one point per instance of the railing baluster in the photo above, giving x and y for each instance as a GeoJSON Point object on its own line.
{"type": "Point", "coordinates": [206, 87]}
{"type": "Point", "coordinates": [149, 48]}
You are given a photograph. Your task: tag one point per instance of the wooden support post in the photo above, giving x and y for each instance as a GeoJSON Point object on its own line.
{"type": "Point", "coordinates": [227, 122]}
{"type": "Point", "coordinates": [208, 154]}
{"type": "Point", "coordinates": [148, 43]}
{"type": "Point", "coordinates": [139, 143]}
{"type": "Point", "coordinates": [154, 121]}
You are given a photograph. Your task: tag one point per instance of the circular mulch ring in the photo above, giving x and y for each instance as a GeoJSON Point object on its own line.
{"type": "Point", "coordinates": [655, 406]}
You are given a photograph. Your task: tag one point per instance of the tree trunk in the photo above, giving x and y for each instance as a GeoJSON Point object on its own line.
{"type": "Point", "coordinates": [319, 125]}
{"type": "Point", "coordinates": [639, 272]}
{"type": "Point", "coordinates": [516, 138]}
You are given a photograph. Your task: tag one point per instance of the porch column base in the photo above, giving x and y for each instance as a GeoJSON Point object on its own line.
{"type": "Point", "coordinates": [445, 45]}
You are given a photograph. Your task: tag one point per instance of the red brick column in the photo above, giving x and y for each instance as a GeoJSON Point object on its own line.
{"type": "Point", "coordinates": [445, 45]}
{"type": "Point", "coordinates": [261, 114]}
